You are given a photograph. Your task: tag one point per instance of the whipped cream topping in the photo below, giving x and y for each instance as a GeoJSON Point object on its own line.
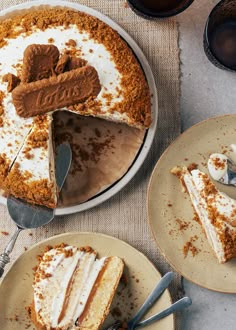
{"type": "Point", "coordinates": [39, 157]}
{"type": "Point", "coordinates": [217, 166]}
{"type": "Point", "coordinates": [77, 294]}
{"type": "Point", "coordinates": [216, 210]}
{"type": "Point", "coordinates": [15, 129]}
{"type": "Point", "coordinates": [96, 54]}
{"type": "Point", "coordinates": [61, 295]}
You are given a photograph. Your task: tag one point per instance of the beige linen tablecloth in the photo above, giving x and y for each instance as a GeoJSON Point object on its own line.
{"type": "Point", "coordinates": [124, 215]}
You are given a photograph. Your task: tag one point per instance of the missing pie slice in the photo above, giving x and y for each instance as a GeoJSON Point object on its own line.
{"type": "Point", "coordinates": [216, 211]}
{"type": "Point", "coordinates": [73, 289]}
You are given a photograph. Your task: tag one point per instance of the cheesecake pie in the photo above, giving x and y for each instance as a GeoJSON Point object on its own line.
{"type": "Point", "coordinates": [53, 60]}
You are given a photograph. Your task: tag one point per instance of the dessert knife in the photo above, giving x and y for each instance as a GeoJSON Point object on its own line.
{"type": "Point", "coordinates": [225, 174]}
{"type": "Point", "coordinates": [28, 216]}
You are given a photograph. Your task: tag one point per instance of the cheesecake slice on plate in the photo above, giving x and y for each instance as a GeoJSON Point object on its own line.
{"type": "Point", "coordinates": [73, 289]}
{"type": "Point", "coordinates": [215, 209]}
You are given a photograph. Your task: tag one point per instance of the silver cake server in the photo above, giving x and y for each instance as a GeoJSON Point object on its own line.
{"type": "Point", "coordinates": [27, 216]}
{"type": "Point", "coordinates": [230, 176]}
{"type": "Point", "coordinates": [226, 175]}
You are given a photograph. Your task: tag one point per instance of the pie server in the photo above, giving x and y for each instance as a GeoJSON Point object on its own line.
{"type": "Point", "coordinates": [229, 178]}
{"type": "Point", "coordinates": [27, 216]}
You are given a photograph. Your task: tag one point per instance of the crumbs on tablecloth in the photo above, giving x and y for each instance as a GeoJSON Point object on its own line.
{"type": "Point", "coordinates": [4, 233]}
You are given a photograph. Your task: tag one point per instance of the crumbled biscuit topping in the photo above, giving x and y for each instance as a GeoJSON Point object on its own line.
{"type": "Point", "coordinates": [136, 96]}
{"type": "Point", "coordinates": [219, 163]}
{"type": "Point", "coordinates": [36, 192]}
{"type": "Point", "coordinates": [1, 106]}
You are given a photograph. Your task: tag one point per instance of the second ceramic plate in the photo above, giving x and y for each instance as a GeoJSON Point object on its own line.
{"type": "Point", "coordinates": [16, 291]}
{"type": "Point", "coordinates": [171, 214]}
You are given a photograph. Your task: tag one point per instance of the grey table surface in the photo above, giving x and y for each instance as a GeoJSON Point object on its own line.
{"type": "Point", "coordinates": [206, 91]}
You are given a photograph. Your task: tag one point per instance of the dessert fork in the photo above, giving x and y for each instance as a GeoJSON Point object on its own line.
{"type": "Point", "coordinates": [152, 298]}
{"type": "Point", "coordinates": [27, 216]}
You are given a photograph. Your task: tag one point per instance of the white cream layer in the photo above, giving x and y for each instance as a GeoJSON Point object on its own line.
{"type": "Point", "coordinates": [96, 54]}
{"type": "Point", "coordinates": [41, 165]}
{"type": "Point", "coordinates": [71, 280]}
{"type": "Point", "coordinates": [225, 206]}
{"type": "Point", "coordinates": [233, 147]}
{"type": "Point", "coordinates": [14, 129]}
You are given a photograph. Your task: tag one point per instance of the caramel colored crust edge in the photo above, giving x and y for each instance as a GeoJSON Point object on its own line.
{"type": "Point", "coordinates": [82, 324]}
{"type": "Point", "coordinates": [33, 317]}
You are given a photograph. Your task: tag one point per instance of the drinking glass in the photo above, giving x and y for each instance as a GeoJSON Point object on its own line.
{"type": "Point", "coordinates": [220, 35]}
{"type": "Point", "coordinates": [153, 9]}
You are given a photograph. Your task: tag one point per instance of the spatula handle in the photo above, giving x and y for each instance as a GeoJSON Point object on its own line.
{"type": "Point", "coordinates": [4, 257]}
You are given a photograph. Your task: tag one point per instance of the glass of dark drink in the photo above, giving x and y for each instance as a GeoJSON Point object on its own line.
{"type": "Point", "coordinates": [220, 35]}
{"type": "Point", "coordinates": [153, 9]}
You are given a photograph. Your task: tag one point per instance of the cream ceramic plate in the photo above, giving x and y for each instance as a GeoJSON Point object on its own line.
{"type": "Point", "coordinates": [169, 209]}
{"type": "Point", "coordinates": [16, 292]}
{"type": "Point", "coordinates": [145, 145]}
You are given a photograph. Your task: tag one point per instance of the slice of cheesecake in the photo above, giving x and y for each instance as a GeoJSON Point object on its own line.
{"type": "Point", "coordinates": [73, 289]}
{"type": "Point", "coordinates": [13, 132]}
{"type": "Point", "coordinates": [32, 176]}
{"type": "Point", "coordinates": [216, 211]}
